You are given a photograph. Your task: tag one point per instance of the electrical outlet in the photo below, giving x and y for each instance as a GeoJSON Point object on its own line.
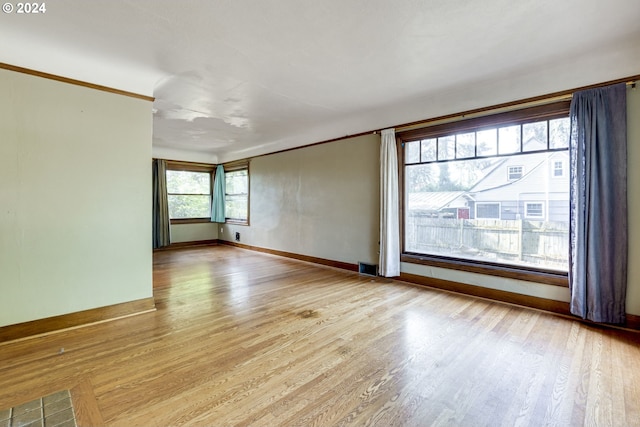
{"type": "Point", "coordinates": [237, 236]}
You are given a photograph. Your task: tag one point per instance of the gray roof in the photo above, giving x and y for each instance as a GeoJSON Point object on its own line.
{"type": "Point", "coordinates": [432, 201]}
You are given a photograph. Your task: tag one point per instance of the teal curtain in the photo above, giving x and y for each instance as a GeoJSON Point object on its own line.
{"type": "Point", "coordinates": [598, 257]}
{"type": "Point", "coordinates": [217, 206]}
{"type": "Point", "coordinates": [161, 223]}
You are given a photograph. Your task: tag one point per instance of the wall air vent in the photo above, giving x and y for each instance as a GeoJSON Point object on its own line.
{"type": "Point", "coordinates": [368, 269]}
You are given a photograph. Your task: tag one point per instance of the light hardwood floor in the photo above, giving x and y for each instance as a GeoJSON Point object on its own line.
{"type": "Point", "coordinates": [245, 338]}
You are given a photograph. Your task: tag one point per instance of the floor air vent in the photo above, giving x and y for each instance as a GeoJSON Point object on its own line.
{"type": "Point", "coordinates": [367, 269]}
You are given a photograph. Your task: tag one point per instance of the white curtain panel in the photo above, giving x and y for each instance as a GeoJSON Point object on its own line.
{"type": "Point", "coordinates": [389, 208]}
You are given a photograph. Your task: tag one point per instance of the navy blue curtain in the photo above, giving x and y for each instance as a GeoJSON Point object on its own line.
{"type": "Point", "coordinates": [598, 256]}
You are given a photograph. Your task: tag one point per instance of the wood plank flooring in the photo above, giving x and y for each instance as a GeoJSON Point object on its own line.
{"type": "Point", "coordinates": [248, 339]}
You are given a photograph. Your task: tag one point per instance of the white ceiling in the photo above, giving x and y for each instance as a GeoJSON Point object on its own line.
{"type": "Point", "coordinates": [238, 78]}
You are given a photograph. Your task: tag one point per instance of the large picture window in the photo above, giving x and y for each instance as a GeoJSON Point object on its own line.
{"type": "Point", "coordinates": [486, 192]}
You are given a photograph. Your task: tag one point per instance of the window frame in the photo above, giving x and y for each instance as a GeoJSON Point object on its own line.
{"type": "Point", "coordinates": [522, 115]}
{"type": "Point", "coordinates": [192, 167]}
{"type": "Point", "coordinates": [510, 173]}
{"type": "Point", "coordinates": [534, 217]}
{"type": "Point", "coordinates": [561, 169]}
{"type": "Point", "coordinates": [498, 204]}
{"type": "Point", "coordinates": [234, 167]}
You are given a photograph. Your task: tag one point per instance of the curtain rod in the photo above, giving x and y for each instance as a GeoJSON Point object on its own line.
{"type": "Point", "coordinates": [557, 96]}
{"type": "Point", "coordinates": [536, 100]}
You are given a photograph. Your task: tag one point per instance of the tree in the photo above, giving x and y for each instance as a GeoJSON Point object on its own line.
{"type": "Point", "coordinates": [189, 194]}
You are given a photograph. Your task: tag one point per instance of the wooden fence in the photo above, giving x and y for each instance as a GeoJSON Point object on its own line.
{"type": "Point", "coordinates": [535, 243]}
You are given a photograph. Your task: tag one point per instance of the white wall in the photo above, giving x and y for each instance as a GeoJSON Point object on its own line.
{"type": "Point", "coordinates": [75, 199]}
{"type": "Point", "coordinates": [319, 201]}
{"type": "Point", "coordinates": [183, 155]}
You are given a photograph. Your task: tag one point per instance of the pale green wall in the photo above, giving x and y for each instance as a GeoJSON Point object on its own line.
{"type": "Point", "coordinates": [633, 199]}
{"type": "Point", "coordinates": [320, 201]}
{"type": "Point", "coordinates": [323, 201]}
{"type": "Point", "coordinates": [75, 199]}
{"type": "Point", "coordinates": [193, 232]}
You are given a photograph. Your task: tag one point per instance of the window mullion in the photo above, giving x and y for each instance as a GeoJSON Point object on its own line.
{"type": "Point", "coordinates": [520, 145]}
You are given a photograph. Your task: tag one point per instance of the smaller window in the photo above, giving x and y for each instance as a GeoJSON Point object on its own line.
{"type": "Point", "coordinates": [412, 152]}
{"type": "Point", "coordinates": [514, 172]}
{"type": "Point", "coordinates": [465, 145]}
{"type": "Point", "coordinates": [509, 139]}
{"type": "Point", "coordinates": [534, 210]}
{"type": "Point", "coordinates": [429, 150]}
{"type": "Point", "coordinates": [189, 194]}
{"type": "Point", "coordinates": [487, 142]}
{"type": "Point", "coordinates": [447, 147]}
{"type": "Point", "coordinates": [488, 210]}
{"type": "Point", "coordinates": [558, 169]}
{"type": "Point", "coordinates": [237, 195]}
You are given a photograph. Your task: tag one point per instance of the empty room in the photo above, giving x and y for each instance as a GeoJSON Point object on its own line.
{"type": "Point", "coordinates": [297, 213]}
